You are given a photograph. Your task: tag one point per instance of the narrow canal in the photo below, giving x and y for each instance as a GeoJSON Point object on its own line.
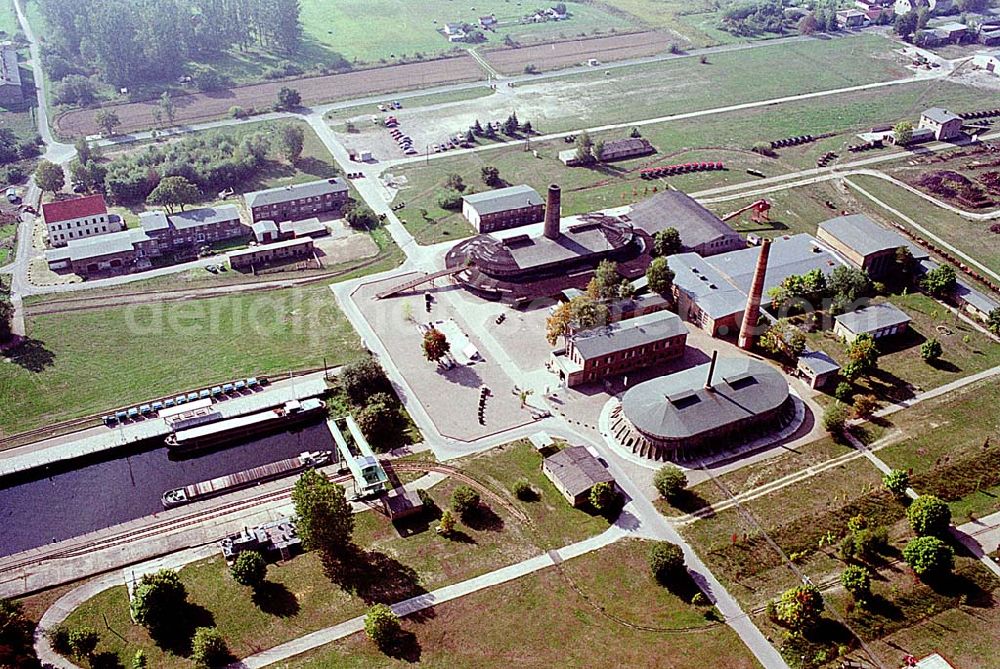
{"type": "Point", "coordinates": [57, 504]}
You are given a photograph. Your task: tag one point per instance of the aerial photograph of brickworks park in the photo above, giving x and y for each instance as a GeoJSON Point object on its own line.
{"type": "Point", "coordinates": [500, 334]}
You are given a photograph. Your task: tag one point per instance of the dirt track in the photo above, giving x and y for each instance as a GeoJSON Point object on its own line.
{"type": "Point", "coordinates": [563, 54]}
{"type": "Point", "coordinates": [199, 107]}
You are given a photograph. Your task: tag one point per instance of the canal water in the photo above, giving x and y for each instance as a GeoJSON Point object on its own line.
{"type": "Point", "coordinates": [53, 505]}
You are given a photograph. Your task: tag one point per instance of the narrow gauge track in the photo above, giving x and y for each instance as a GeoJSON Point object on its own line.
{"type": "Point", "coordinates": [458, 475]}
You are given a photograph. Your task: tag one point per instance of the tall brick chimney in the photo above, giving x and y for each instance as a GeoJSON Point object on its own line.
{"type": "Point", "coordinates": [553, 209]}
{"type": "Point", "coordinates": [752, 312]}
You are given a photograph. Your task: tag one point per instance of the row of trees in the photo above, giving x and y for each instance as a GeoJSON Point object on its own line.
{"type": "Point", "coordinates": [130, 42]}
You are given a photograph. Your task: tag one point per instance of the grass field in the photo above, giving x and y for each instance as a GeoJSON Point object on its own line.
{"type": "Point", "coordinates": [428, 100]}
{"type": "Point", "coordinates": [972, 237]}
{"type": "Point", "coordinates": [8, 20]}
{"type": "Point", "coordinates": [902, 372]}
{"type": "Point", "coordinates": [544, 620]}
{"type": "Point", "coordinates": [396, 563]}
{"type": "Point", "coordinates": [82, 362]}
{"type": "Point", "coordinates": [697, 21]}
{"type": "Point", "coordinates": [725, 136]}
{"type": "Point", "coordinates": [372, 30]}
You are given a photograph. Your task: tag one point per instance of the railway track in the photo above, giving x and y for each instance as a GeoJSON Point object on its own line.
{"type": "Point", "coordinates": [458, 475]}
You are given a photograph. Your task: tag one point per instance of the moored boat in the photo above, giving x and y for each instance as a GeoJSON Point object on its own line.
{"type": "Point", "coordinates": [245, 478]}
{"type": "Point", "coordinates": [218, 432]}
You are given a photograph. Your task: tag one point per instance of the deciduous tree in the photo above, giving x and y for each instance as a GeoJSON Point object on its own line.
{"type": "Point", "coordinates": [929, 515]}
{"type": "Point", "coordinates": [666, 560]}
{"type": "Point", "coordinates": [291, 138]}
{"type": "Point", "coordinates": [931, 350]}
{"type": "Point", "coordinates": [249, 569]}
{"type": "Point", "coordinates": [107, 120]}
{"type": "Point", "coordinates": [173, 192]}
{"type": "Point", "coordinates": [667, 242]}
{"type": "Point", "coordinates": [940, 281]}
{"type": "Point", "coordinates": [289, 99]}
{"type": "Point", "coordinates": [209, 649]}
{"type": "Point", "coordinates": [857, 581]}
{"type": "Point", "coordinates": [669, 481]}
{"type": "Point", "coordinates": [158, 599]}
{"type": "Point", "coordinates": [603, 496]}
{"type": "Point", "coordinates": [660, 277]}
{"type": "Point", "coordinates": [323, 515]}
{"type": "Point", "coordinates": [381, 625]}
{"type": "Point", "coordinates": [580, 313]}
{"type": "Point", "coordinates": [800, 607]}
{"type": "Point", "coordinates": [436, 345]}
{"type": "Point", "coordinates": [465, 500]}
{"type": "Point", "coordinates": [50, 177]}
{"type": "Point", "coordinates": [929, 556]}
{"type": "Point", "coordinates": [902, 133]}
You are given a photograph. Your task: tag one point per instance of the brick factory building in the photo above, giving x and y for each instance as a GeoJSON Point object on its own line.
{"type": "Point", "coordinates": [503, 208]}
{"type": "Point", "coordinates": [297, 201]}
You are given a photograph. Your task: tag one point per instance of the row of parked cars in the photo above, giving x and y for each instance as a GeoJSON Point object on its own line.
{"type": "Point", "coordinates": [404, 141]}
{"type": "Point", "coordinates": [224, 391]}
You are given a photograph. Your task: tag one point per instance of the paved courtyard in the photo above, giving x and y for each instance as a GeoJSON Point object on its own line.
{"type": "Point", "coordinates": [449, 396]}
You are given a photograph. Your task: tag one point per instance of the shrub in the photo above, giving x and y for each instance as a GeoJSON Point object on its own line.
{"type": "Point", "coordinates": [835, 418]}
{"type": "Point", "coordinates": [450, 200]}
{"type": "Point", "coordinates": [59, 639]}
{"type": "Point", "coordinates": [669, 481]}
{"type": "Point", "coordinates": [249, 568]}
{"type": "Point", "coordinates": [869, 543]}
{"type": "Point", "coordinates": [665, 560]}
{"type": "Point", "coordinates": [931, 350]}
{"type": "Point", "coordinates": [158, 599]}
{"type": "Point", "coordinates": [764, 149]}
{"type": "Point", "coordinates": [928, 515]}
{"type": "Point", "coordinates": [522, 490]}
{"type": "Point", "coordinates": [866, 405]}
{"type": "Point", "coordinates": [800, 607]}
{"type": "Point", "coordinates": [896, 482]}
{"type": "Point", "coordinates": [929, 556]}
{"type": "Point", "coordinates": [603, 496]}
{"type": "Point", "coordinates": [464, 500]}
{"type": "Point", "coordinates": [208, 648]}
{"type": "Point", "coordinates": [844, 392]}
{"type": "Point", "coordinates": [83, 641]}
{"type": "Point", "coordinates": [857, 581]}
{"type": "Point", "coordinates": [381, 624]}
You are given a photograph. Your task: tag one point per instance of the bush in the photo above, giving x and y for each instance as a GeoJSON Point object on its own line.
{"type": "Point", "coordinates": [929, 516]}
{"type": "Point", "coordinates": [59, 639]}
{"type": "Point", "coordinates": [381, 625]}
{"type": "Point", "coordinates": [523, 491]}
{"type": "Point", "coordinates": [364, 378]}
{"type": "Point", "coordinates": [207, 79]}
{"type": "Point", "coordinates": [83, 641]}
{"type": "Point", "coordinates": [603, 496]}
{"type": "Point", "coordinates": [249, 568]}
{"type": "Point", "coordinates": [896, 482]}
{"type": "Point", "coordinates": [931, 350]}
{"type": "Point", "coordinates": [844, 392]}
{"type": "Point", "coordinates": [208, 648]}
{"type": "Point", "coordinates": [929, 556]}
{"type": "Point", "coordinates": [450, 200]}
{"type": "Point", "coordinates": [866, 405]}
{"type": "Point", "coordinates": [857, 581]}
{"type": "Point", "coordinates": [464, 500]}
{"type": "Point", "coordinates": [835, 418]}
{"type": "Point", "coordinates": [764, 149]}
{"type": "Point", "coordinates": [158, 599]}
{"type": "Point", "coordinates": [665, 560]}
{"type": "Point", "coordinates": [799, 608]}
{"type": "Point", "coordinates": [869, 543]}
{"type": "Point", "coordinates": [669, 481]}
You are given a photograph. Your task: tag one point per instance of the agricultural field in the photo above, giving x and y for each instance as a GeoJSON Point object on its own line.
{"type": "Point", "coordinates": [9, 26]}
{"type": "Point", "coordinates": [967, 178]}
{"type": "Point", "coordinates": [586, 612]}
{"type": "Point", "coordinates": [373, 31]}
{"type": "Point", "coordinates": [972, 237]}
{"type": "Point", "coordinates": [81, 362]}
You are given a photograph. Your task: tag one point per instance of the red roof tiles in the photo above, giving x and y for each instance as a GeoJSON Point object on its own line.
{"type": "Point", "coordinates": [80, 207]}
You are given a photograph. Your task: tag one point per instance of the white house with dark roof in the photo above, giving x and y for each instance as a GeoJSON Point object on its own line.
{"type": "Point", "coordinates": [878, 320]}
{"type": "Point", "coordinates": [503, 208]}
{"type": "Point", "coordinates": [78, 218]}
{"type": "Point", "coordinates": [944, 124]}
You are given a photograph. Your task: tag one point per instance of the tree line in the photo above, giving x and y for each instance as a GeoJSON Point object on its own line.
{"type": "Point", "coordinates": [129, 42]}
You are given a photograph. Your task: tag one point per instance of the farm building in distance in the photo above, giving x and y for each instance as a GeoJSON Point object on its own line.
{"type": "Point", "coordinates": [878, 320]}
{"type": "Point", "coordinates": [574, 472]}
{"type": "Point", "coordinates": [874, 9]}
{"type": "Point", "coordinates": [944, 124]}
{"type": "Point", "coordinates": [78, 218]}
{"type": "Point", "coordinates": [10, 76]}
{"type": "Point", "coordinates": [631, 344]}
{"type": "Point", "coordinates": [701, 231]}
{"type": "Point", "coordinates": [685, 414]}
{"type": "Point", "coordinates": [712, 292]}
{"type": "Point", "coordinates": [503, 208]}
{"type": "Point", "coordinates": [852, 18]}
{"type": "Point", "coordinates": [865, 243]}
{"type": "Point", "coordinates": [286, 203]}
{"type": "Point", "coordinates": [987, 60]}
{"type": "Point", "coordinates": [612, 150]}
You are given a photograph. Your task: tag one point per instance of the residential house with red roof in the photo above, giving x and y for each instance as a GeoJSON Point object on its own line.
{"type": "Point", "coordinates": [79, 218]}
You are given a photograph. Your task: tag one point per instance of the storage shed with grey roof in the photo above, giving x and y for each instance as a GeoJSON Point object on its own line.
{"type": "Point", "coordinates": [621, 347]}
{"type": "Point", "coordinates": [879, 320]}
{"type": "Point", "coordinates": [10, 76]}
{"type": "Point", "coordinates": [700, 230]}
{"type": "Point", "coordinates": [866, 244]}
{"type": "Point", "coordinates": [503, 208]}
{"type": "Point", "coordinates": [682, 415]}
{"type": "Point", "coordinates": [817, 367]}
{"type": "Point", "coordinates": [574, 471]}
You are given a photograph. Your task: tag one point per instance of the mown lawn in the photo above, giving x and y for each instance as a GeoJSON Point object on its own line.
{"type": "Point", "coordinates": [902, 371]}
{"type": "Point", "coordinates": [82, 362]}
{"type": "Point", "coordinates": [554, 618]}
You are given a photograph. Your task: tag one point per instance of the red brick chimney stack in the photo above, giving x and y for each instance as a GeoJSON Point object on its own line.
{"type": "Point", "coordinates": [752, 312]}
{"type": "Point", "coordinates": [553, 209]}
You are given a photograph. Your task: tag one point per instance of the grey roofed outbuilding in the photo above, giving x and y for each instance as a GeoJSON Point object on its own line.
{"type": "Point", "coordinates": [628, 334]}
{"type": "Point", "coordinates": [504, 199]}
{"type": "Point", "coordinates": [401, 503]}
{"type": "Point", "coordinates": [304, 227]}
{"type": "Point", "coordinates": [939, 114]}
{"type": "Point", "coordinates": [98, 246]}
{"type": "Point", "coordinates": [577, 470]}
{"type": "Point", "coordinates": [281, 194]}
{"type": "Point", "coordinates": [818, 362]}
{"type": "Point", "coordinates": [678, 406]}
{"type": "Point", "coordinates": [263, 227]}
{"type": "Point", "coordinates": [971, 296]}
{"type": "Point", "coordinates": [865, 236]}
{"type": "Point", "coordinates": [10, 75]}
{"type": "Point", "coordinates": [873, 317]}
{"type": "Point", "coordinates": [674, 209]}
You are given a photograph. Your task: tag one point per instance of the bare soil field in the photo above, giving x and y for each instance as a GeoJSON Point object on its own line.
{"type": "Point", "coordinates": [200, 107]}
{"type": "Point", "coordinates": [563, 54]}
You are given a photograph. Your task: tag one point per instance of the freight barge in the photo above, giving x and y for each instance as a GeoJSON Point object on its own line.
{"type": "Point", "coordinates": [245, 478]}
{"type": "Point", "coordinates": [209, 429]}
